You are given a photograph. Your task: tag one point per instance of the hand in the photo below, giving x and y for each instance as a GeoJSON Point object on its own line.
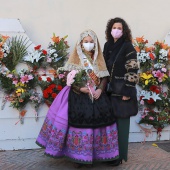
{"type": "Point", "coordinates": [97, 94]}
{"type": "Point", "coordinates": [84, 90]}
{"type": "Point", "coordinates": [125, 98]}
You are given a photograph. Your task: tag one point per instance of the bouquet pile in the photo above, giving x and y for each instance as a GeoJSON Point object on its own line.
{"type": "Point", "coordinates": [154, 80]}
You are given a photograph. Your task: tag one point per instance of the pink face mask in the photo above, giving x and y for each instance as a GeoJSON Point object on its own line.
{"type": "Point", "coordinates": [116, 33]}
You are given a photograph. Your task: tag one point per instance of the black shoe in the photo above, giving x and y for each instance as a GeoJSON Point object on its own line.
{"type": "Point", "coordinates": [89, 165]}
{"type": "Point", "coordinates": [77, 165]}
{"type": "Point", "coordinates": [116, 162]}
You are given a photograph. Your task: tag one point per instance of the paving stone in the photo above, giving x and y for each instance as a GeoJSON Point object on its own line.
{"type": "Point", "coordinates": [141, 157]}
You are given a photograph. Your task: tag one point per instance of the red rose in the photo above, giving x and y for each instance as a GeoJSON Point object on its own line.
{"type": "Point", "coordinates": [44, 52]}
{"type": "Point", "coordinates": [54, 95]}
{"type": "Point", "coordinates": [37, 47]}
{"type": "Point", "coordinates": [59, 87]}
{"type": "Point", "coordinates": [49, 79]}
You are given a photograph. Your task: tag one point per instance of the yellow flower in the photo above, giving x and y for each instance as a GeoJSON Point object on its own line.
{"type": "Point", "coordinates": [20, 90]}
{"type": "Point", "coordinates": [164, 77]}
{"type": "Point", "coordinates": [20, 85]}
{"type": "Point", "coordinates": [146, 77]}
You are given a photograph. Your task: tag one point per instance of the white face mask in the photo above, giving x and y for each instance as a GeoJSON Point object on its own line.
{"type": "Point", "coordinates": [88, 46]}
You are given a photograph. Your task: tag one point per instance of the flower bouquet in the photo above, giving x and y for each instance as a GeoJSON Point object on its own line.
{"type": "Point", "coordinates": [17, 50]}
{"type": "Point", "coordinates": [144, 53]}
{"type": "Point", "coordinates": [161, 52]}
{"type": "Point", "coordinates": [50, 87]}
{"type": "Point", "coordinates": [159, 119]}
{"type": "Point", "coordinates": [57, 52]}
{"type": "Point", "coordinates": [35, 99]}
{"type": "Point", "coordinates": [4, 49]}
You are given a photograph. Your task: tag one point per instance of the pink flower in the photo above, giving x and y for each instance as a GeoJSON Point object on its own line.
{"type": "Point", "coordinates": [151, 118]}
{"type": "Point", "coordinates": [142, 102]}
{"type": "Point", "coordinates": [10, 75]}
{"type": "Point", "coordinates": [143, 116]}
{"type": "Point", "coordinates": [158, 74]}
{"type": "Point", "coordinates": [49, 59]}
{"type": "Point", "coordinates": [26, 78]}
{"type": "Point", "coordinates": [164, 70]}
{"type": "Point", "coordinates": [165, 94]}
{"type": "Point", "coordinates": [60, 76]}
{"type": "Point", "coordinates": [15, 82]}
{"type": "Point", "coordinates": [70, 77]}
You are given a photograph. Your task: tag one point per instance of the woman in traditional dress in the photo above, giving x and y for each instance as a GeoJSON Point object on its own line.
{"type": "Point", "coordinates": [80, 124]}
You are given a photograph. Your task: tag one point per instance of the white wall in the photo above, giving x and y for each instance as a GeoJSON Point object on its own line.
{"type": "Point", "coordinates": [40, 18]}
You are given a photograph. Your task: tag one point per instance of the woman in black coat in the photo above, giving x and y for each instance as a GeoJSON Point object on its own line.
{"type": "Point", "coordinates": [121, 61]}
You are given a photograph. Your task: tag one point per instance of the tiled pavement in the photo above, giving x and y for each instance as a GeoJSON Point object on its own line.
{"type": "Point", "coordinates": [141, 157]}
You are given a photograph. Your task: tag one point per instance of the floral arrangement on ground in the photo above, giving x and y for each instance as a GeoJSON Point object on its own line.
{"type": "Point", "coordinates": [20, 87]}
{"type": "Point", "coordinates": [154, 82]}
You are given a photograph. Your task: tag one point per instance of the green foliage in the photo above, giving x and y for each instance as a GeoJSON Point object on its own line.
{"type": "Point", "coordinates": [18, 49]}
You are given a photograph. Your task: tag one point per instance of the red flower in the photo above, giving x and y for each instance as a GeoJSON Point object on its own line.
{"type": "Point", "coordinates": [49, 79]}
{"type": "Point", "coordinates": [39, 78]}
{"type": "Point", "coordinates": [155, 89]}
{"type": "Point", "coordinates": [141, 97]}
{"type": "Point", "coordinates": [52, 86]}
{"type": "Point", "coordinates": [37, 47]}
{"type": "Point", "coordinates": [44, 52]}
{"type": "Point", "coordinates": [150, 101]}
{"type": "Point", "coordinates": [54, 95]}
{"type": "Point", "coordinates": [45, 94]}
{"type": "Point", "coordinates": [59, 87]}
{"type": "Point", "coordinates": [49, 90]}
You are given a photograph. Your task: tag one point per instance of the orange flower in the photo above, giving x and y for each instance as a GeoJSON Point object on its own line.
{"type": "Point", "coordinates": [164, 46]}
{"type": "Point", "coordinates": [21, 100]}
{"type": "Point", "coordinates": [137, 49]}
{"type": "Point", "coordinates": [22, 113]}
{"type": "Point", "coordinates": [55, 39]}
{"type": "Point", "coordinates": [140, 39]}
{"type": "Point", "coordinates": [5, 37]}
{"type": "Point", "coordinates": [148, 49]}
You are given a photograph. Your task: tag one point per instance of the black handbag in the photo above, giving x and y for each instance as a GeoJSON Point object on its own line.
{"type": "Point", "coordinates": [124, 108]}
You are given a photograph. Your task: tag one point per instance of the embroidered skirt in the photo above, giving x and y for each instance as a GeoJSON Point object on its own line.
{"type": "Point", "coordinates": [84, 145]}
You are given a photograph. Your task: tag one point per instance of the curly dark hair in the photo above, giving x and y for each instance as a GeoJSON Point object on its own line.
{"type": "Point", "coordinates": [126, 30]}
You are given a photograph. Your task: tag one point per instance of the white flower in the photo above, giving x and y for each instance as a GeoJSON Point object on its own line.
{"type": "Point", "coordinates": [155, 96]}
{"type": "Point", "coordinates": [147, 95]}
{"type": "Point", "coordinates": [51, 51]}
{"type": "Point", "coordinates": [34, 56]}
{"type": "Point", "coordinates": [55, 55]}
{"type": "Point", "coordinates": [143, 92]}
